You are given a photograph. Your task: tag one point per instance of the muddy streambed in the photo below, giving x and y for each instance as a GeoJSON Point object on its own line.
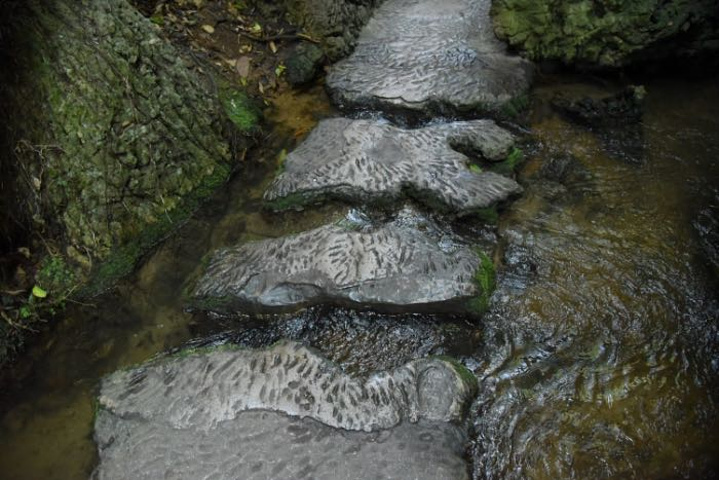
{"type": "Point", "coordinates": [598, 357]}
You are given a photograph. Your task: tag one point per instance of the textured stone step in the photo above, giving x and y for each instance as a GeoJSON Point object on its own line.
{"type": "Point", "coordinates": [394, 267]}
{"type": "Point", "coordinates": [368, 161]}
{"type": "Point", "coordinates": [429, 55]}
{"type": "Point", "coordinates": [281, 413]}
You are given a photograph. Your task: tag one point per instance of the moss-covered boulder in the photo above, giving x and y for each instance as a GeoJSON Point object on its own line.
{"type": "Point", "coordinates": [607, 33]}
{"type": "Point", "coordinates": [113, 137]}
{"type": "Point", "coordinates": [336, 23]}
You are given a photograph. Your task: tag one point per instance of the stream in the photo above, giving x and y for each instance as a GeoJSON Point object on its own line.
{"type": "Point", "coordinates": [598, 357]}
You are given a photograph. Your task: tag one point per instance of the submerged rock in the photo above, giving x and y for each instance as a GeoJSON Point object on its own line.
{"type": "Point", "coordinates": [621, 108]}
{"type": "Point", "coordinates": [394, 266]}
{"type": "Point", "coordinates": [281, 413]}
{"type": "Point", "coordinates": [368, 161]}
{"type": "Point", "coordinates": [424, 55]}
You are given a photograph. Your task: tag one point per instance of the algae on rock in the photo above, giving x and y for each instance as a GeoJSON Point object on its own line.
{"type": "Point", "coordinates": [122, 139]}
{"type": "Point", "coordinates": [607, 33]}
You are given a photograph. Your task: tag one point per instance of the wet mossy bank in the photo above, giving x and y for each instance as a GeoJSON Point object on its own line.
{"type": "Point", "coordinates": [609, 33]}
{"type": "Point", "coordinates": [112, 139]}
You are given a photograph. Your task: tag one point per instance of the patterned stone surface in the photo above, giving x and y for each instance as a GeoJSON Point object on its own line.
{"type": "Point", "coordinates": [277, 414]}
{"type": "Point", "coordinates": [392, 266]}
{"type": "Point", "coordinates": [368, 161]}
{"type": "Point", "coordinates": [429, 55]}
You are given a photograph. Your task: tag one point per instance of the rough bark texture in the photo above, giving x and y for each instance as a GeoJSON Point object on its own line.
{"type": "Point", "coordinates": [607, 33]}
{"type": "Point", "coordinates": [116, 137]}
{"type": "Point", "coordinates": [336, 22]}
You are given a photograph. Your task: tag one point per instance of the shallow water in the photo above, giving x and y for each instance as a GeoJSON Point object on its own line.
{"type": "Point", "coordinates": [599, 356]}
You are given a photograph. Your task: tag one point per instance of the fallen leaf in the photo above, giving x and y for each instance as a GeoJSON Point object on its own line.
{"type": "Point", "coordinates": [38, 292]}
{"type": "Point", "coordinates": [36, 183]}
{"type": "Point", "coordinates": [273, 47]}
{"type": "Point", "coordinates": [243, 67]}
{"type": "Point", "coordinates": [208, 28]}
{"type": "Point", "coordinates": [256, 28]}
{"type": "Point", "coordinates": [261, 88]}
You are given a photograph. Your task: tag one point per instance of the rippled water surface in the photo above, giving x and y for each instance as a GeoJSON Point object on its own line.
{"type": "Point", "coordinates": [601, 351]}
{"type": "Point", "coordinates": [598, 358]}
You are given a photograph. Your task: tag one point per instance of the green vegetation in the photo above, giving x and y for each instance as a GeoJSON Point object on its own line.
{"type": "Point", "coordinates": [467, 377]}
{"type": "Point", "coordinates": [510, 164]}
{"type": "Point", "coordinates": [240, 110]}
{"type": "Point", "coordinates": [475, 168]}
{"type": "Point", "coordinates": [514, 107]}
{"type": "Point", "coordinates": [607, 33]}
{"type": "Point", "coordinates": [485, 279]}
{"type": "Point", "coordinates": [123, 258]}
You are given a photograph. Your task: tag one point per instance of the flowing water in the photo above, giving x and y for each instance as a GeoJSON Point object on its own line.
{"type": "Point", "coordinates": [598, 358]}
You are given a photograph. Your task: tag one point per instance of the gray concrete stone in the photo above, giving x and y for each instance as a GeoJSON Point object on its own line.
{"type": "Point", "coordinates": [277, 414]}
{"type": "Point", "coordinates": [392, 266]}
{"type": "Point", "coordinates": [369, 161]}
{"type": "Point", "coordinates": [426, 55]}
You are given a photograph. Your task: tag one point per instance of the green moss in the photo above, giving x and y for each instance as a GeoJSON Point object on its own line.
{"type": "Point", "coordinates": [240, 110]}
{"type": "Point", "coordinates": [158, 19]}
{"type": "Point", "coordinates": [510, 164]}
{"type": "Point", "coordinates": [514, 107]}
{"type": "Point", "coordinates": [467, 377]}
{"type": "Point", "coordinates": [475, 168]}
{"type": "Point", "coordinates": [124, 257]}
{"type": "Point", "coordinates": [56, 276]}
{"type": "Point", "coordinates": [188, 352]}
{"type": "Point", "coordinates": [293, 201]}
{"type": "Point", "coordinates": [485, 279]}
{"type": "Point", "coordinates": [488, 215]}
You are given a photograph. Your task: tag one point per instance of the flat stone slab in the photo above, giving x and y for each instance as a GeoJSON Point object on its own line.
{"type": "Point", "coordinates": [280, 413]}
{"type": "Point", "coordinates": [396, 266]}
{"type": "Point", "coordinates": [430, 56]}
{"type": "Point", "coordinates": [369, 161]}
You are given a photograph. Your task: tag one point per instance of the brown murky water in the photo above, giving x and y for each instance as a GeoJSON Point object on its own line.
{"type": "Point", "coordinates": [599, 358]}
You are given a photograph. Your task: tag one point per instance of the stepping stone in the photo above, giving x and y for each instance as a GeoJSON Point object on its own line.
{"type": "Point", "coordinates": [281, 413]}
{"type": "Point", "coordinates": [394, 267]}
{"type": "Point", "coordinates": [430, 56]}
{"type": "Point", "coordinates": [368, 161]}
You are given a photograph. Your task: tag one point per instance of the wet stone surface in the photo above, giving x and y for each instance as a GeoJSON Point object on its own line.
{"type": "Point", "coordinates": [423, 55]}
{"type": "Point", "coordinates": [406, 264]}
{"type": "Point", "coordinates": [369, 161]}
{"type": "Point", "coordinates": [283, 412]}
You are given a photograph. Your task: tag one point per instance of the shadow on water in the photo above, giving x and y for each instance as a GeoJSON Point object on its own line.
{"type": "Point", "coordinates": [598, 358]}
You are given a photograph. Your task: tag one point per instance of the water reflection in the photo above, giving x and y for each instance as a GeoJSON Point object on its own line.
{"type": "Point", "coordinates": [600, 355]}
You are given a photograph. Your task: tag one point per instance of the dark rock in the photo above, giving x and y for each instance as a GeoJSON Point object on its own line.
{"type": "Point", "coordinates": [366, 161]}
{"type": "Point", "coordinates": [281, 413]}
{"type": "Point", "coordinates": [623, 107]}
{"type": "Point", "coordinates": [407, 264]}
{"type": "Point", "coordinates": [304, 63]}
{"type": "Point", "coordinates": [427, 56]}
